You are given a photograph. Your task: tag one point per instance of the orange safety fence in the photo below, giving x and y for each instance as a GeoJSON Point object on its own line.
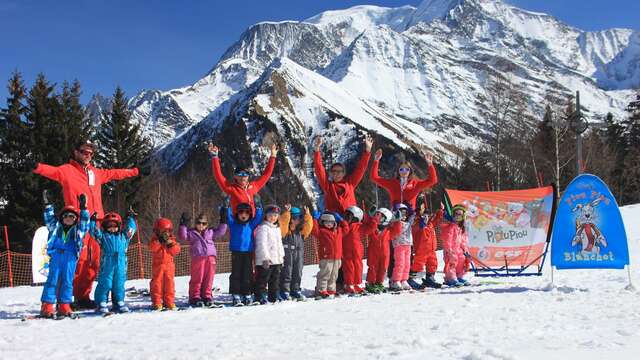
{"type": "Point", "coordinates": [139, 259]}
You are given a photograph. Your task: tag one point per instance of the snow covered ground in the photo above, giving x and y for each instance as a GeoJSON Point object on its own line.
{"type": "Point", "coordinates": [587, 315]}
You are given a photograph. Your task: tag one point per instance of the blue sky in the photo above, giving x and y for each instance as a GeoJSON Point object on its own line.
{"type": "Point", "coordinates": [166, 44]}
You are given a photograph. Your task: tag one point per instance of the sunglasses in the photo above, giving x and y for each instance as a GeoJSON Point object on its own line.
{"type": "Point", "coordinates": [242, 174]}
{"type": "Point", "coordinates": [201, 223]}
{"type": "Point", "coordinates": [404, 169]}
{"type": "Point", "coordinates": [69, 215]}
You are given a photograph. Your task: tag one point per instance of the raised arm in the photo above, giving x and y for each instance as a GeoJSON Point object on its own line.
{"type": "Point", "coordinates": [284, 221]}
{"type": "Point", "coordinates": [387, 184]}
{"type": "Point", "coordinates": [217, 174]}
{"type": "Point", "coordinates": [307, 227]}
{"type": "Point", "coordinates": [260, 182]}
{"type": "Point", "coordinates": [116, 174]}
{"type": "Point", "coordinates": [94, 230]}
{"type": "Point", "coordinates": [356, 176]}
{"type": "Point", "coordinates": [430, 181]}
{"type": "Point", "coordinates": [50, 172]}
{"type": "Point", "coordinates": [50, 219]}
{"type": "Point", "coordinates": [130, 228]}
{"type": "Point", "coordinates": [256, 219]}
{"type": "Point", "coordinates": [321, 174]}
{"type": "Point", "coordinates": [182, 233]}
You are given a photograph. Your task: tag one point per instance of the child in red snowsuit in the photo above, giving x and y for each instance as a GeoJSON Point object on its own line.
{"type": "Point", "coordinates": [425, 246]}
{"type": "Point", "coordinates": [378, 249]}
{"type": "Point", "coordinates": [328, 229]}
{"type": "Point", "coordinates": [164, 247]}
{"type": "Point", "coordinates": [353, 249]}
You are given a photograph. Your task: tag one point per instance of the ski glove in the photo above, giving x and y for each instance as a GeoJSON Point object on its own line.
{"type": "Point", "coordinates": [338, 217]}
{"type": "Point", "coordinates": [45, 197]}
{"type": "Point", "coordinates": [131, 212]}
{"type": "Point", "coordinates": [184, 219]}
{"type": "Point", "coordinates": [316, 214]}
{"type": "Point", "coordinates": [372, 210]}
{"type": "Point", "coordinates": [82, 201]}
{"type": "Point", "coordinates": [94, 217]}
{"type": "Point", "coordinates": [223, 215]}
{"type": "Point", "coordinates": [144, 170]}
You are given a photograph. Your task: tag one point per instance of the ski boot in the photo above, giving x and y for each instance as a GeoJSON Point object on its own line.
{"type": "Point", "coordinates": [47, 310]}
{"type": "Point", "coordinates": [298, 295]}
{"type": "Point", "coordinates": [349, 290]}
{"type": "Point", "coordinates": [463, 282]}
{"type": "Point", "coordinates": [284, 296]}
{"type": "Point", "coordinates": [82, 304]}
{"type": "Point", "coordinates": [65, 310]}
{"type": "Point", "coordinates": [247, 300]}
{"type": "Point", "coordinates": [405, 285]}
{"type": "Point", "coordinates": [171, 307]}
{"type": "Point", "coordinates": [157, 307]}
{"type": "Point", "coordinates": [121, 307]}
{"type": "Point", "coordinates": [196, 303]}
{"type": "Point", "coordinates": [430, 282]}
{"type": "Point", "coordinates": [102, 308]}
{"type": "Point", "coordinates": [237, 300]}
{"type": "Point", "coordinates": [371, 288]}
{"type": "Point", "coordinates": [333, 294]}
{"type": "Point", "coordinates": [395, 286]}
{"type": "Point", "coordinates": [263, 299]}
{"type": "Point", "coordinates": [414, 284]}
{"type": "Point", "coordinates": [452, 283]}
{"type": "Point", "coordinates": [358, 289]}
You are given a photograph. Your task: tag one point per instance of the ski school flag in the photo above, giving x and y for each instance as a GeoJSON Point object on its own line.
{"type": "Point", "coordinates": [507, 228]}
{"type": "Point", "coordinates": [588, 232]}
{"type": "Point", "coordinates": [39, 257]}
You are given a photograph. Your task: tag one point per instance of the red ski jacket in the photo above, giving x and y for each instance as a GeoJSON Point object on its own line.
{"type": "Point", "coordinates": [237, 193]}
{"type": "Point", "coordinates": [329, 240]}
{"type": "Point", "coordinates": [163, 254]}
{"type": "Point", "coordinates": [352, 247]}
{"type": "Point", "coordinates": [76, 179]}
{"type": "Point", "coordinates": [379, 241]}
{"type": "Point", "coordinates": [412, 188]}
{"type": "Point", "coordinates": [338, 196]}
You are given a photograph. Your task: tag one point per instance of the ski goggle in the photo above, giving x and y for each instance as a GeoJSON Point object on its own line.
{"type": "Point", "coordinates": [242, 174]}
{"type": "Point", "coordinates": [69, 215]}
{"type": "Point", "coordinates": [404, 169]}
{"type": "Point", "coordinates": [273, 210]}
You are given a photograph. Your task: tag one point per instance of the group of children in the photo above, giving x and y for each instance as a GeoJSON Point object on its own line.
{"type": "Point", "coordinates": [267, 245]}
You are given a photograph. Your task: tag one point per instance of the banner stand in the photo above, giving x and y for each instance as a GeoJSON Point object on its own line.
{"type": "Point", "coordinates": [481, 269]}
{"type": "Point", "coordinates": [630, 287]}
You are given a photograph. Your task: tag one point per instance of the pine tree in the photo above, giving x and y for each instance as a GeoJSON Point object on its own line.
{"type": "Point", "coordinates": [631, 164]}
{"type": "Point", "coordinates": [121, 145]}
{"type": "Point", "coordinates": [13, 130]}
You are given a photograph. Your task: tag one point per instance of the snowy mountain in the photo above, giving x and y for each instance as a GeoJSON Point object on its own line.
{"type": "Point", "coordinates": [414, 76]}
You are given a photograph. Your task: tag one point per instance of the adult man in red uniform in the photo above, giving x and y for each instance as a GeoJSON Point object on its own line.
{"type": "Point", "coordinates": [77, 177]}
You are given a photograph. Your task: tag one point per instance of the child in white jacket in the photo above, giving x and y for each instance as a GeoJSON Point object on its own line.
{"type": "Point", "coordinates": [269, 256]}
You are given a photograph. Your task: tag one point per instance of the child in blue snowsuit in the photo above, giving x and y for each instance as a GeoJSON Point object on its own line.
{"type": "Point", "coordinates": [241, 244]}
{"type": "Point", "coordinates": [63, 247]}
{"type": "Point", "coordinates": [114, 241]}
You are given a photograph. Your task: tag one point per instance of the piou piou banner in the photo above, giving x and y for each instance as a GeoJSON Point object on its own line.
{"type": "Point", "coordinates": [507, 228]}
{"type": "Point", "coordinates": [588, 232]}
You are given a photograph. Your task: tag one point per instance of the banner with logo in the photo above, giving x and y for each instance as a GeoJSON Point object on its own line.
{"type": "Point", "coordinates": [588, 232]}
{"type": "Point", "coordinates": [39, 257]}
{"type": "Point", "coordinates": [507, 228]}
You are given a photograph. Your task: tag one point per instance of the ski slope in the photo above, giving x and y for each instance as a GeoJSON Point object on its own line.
{"type": "Point", "coordinates": [586, 315]}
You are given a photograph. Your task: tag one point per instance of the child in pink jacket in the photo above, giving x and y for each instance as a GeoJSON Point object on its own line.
{"type": "Point", "coordinates": [455, 246]}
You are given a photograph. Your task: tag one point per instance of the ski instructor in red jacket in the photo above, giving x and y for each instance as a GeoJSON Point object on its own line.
{"type": "Point", "coordinates": [77, 177]}
{"type": "Point", "coordinates": [241, 190]}
{"type": "Point", "coordinates": [340, 190]}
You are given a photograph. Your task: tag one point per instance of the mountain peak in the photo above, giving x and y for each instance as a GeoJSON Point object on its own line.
{"type": "Point", "coordinates": [430, 10]}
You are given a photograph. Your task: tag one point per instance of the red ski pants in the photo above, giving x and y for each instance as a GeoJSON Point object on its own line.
{"type": "Point", "coordinates": [377, 268]}
{"type": "Point", "coordinates": [352, 271]}
{"type": "Point", "coordinates": [162, 284]}
{"type": "Point", "coordinates": [87, 269]}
